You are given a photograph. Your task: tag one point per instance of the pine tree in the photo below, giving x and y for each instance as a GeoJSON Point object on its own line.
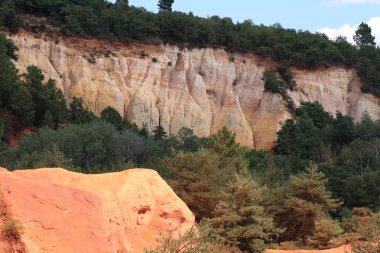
{"type": "Point", "coordinates": [21, 105]}
{"type": "Point", "coordinates": [8, 75]}
{"type": "Point", "coordinates": [363, 36]}
{"type": "Point", "coordinates": [112, 116]}
{"type": "Point", "coordinates": [197, 180]}
{"type": "Point", "coordinates": [33, 81]}
{"type": "Point", "coordinates": [241, 219]}
{"type": "Point", "coordinates": [78, 114]}
{"type": "Point", "coordinates": [165, 5]}
{"type": "Point", "coordinates": [56, 104]}
{"type": "Point", "coordinates": [159, 133]}
{"type": "Point", "coordinates": [305, 214]}
{"type": "Point", "coordinates": [122, 3]}
{"type": "Point", "coordinates": [232, 153]}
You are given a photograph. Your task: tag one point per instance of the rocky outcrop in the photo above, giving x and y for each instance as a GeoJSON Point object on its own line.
{"type": "Point", "coordinates": [203, 89]}
{"type": "Point", "coordinates": [62, 211]}
{"type": "Point", "coordinates": [342, 249]}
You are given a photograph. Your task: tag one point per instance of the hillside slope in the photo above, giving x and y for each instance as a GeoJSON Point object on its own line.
{"type": "Point", "coordinates": [203, 89]}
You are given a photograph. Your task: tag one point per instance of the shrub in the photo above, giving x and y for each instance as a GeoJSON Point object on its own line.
{"type": "Point", "coordinates": [271, 82]}
{"type": "Point", "coordinates": [12, 229]}
{"type": "Point", "coordinates": [143, 54]}
{"type": "Point", "coordinates": [194, 240]}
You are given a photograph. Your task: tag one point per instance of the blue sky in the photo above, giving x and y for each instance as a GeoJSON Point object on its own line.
{"type": "Point", "coordinates": [333, 17]}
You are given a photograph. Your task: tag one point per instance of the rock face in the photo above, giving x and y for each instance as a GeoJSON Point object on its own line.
{"type": "Point", "coordinates": [342, 249]}
{"type": "Point", "coordinates": [203, 89]}
{"type": "Point", "coordinates": [62, 211]}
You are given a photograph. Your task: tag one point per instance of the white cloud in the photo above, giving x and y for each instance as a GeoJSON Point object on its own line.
{"type": "Point", "coordinates": [348, 31]}
{"type": "Point", "coordinates": [334, 3]}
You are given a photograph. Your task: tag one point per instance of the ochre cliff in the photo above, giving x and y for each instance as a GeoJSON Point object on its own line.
{"type": "Point", "coordinates": [62, 211]}
{"type": "Point", "coordinates": [342, 249]}
{"type": "Point", "coordinates": [203, 89]}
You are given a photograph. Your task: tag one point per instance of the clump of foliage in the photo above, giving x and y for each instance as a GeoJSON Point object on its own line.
{"type": "Point", "coordinates": [272, 83]}
{"type": "Point", "coordinates": [33, 102]}
{"type": "Point", "coordinates": [241, 219]}
{"type": "Point", "coordinates": [12, 229]}
{"type": "Point", "coordinates": [197, 178]}
{"type": "Point", "coordinates": [159, 133]}
{"type": "Point", "coordinates": [368, 59]}
{"type": "Point", "coordinates": [280, 81]}
{"type": "Point", "coordinates": [8, 16]}
{"type": "Point", "coordinates": [363, 230]}
{"type": "Point", "coordinates": [112, 116]}
{"type": "Point", "coordinates": [78, 114]}
{"type": "Point", "coordinates": [305, 213]}
{"type": "Point", "coordinates": [195, 240]}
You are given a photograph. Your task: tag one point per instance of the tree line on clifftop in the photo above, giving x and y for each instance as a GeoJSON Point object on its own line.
{"type": "Point", "coordinates": [321, 189]}
{"type": "Point", "coordinates": [119, 21]}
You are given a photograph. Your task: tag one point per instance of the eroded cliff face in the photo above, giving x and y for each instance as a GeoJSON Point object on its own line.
{"type": "Point", "coordinates": [203, 89]}
{"type": "Point", "coordinates": [62, 211]}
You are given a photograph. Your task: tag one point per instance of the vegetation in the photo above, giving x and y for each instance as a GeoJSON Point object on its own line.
{"type": "Point", "coordinates": [305, 213]}
{"type": "Point", "coordinates": [195, 240]}
{"type": "Point", "coordinates": [241, 219]}
{"type": "Point", "coordinates": [280, 81]}
{"type": "Point", "coordinates": [12, 229]}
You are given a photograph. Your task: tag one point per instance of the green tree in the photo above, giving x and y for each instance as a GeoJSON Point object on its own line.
{"type": "Point", "coordinates": [272, 83]}
{"type": "Point", "coordinates": [8, 16]}
{"type": "Point", "coordinates": [88, 146]}
{"type": "Point", "coordinates": [47, 159]}
{"type": "Point", "coordinates": [112, 116]}
{"type": "Point", "coordinates": [165, 5]}
{"type": "Point", "coordinates": [159, 133]}
{"type": "Point", "coordinates": [241, 219]}
{"type": "Point", "coordinates": [8, 75]}
{"type": "Point", "coordinates": [56, 104]}
{"type": "Point", "coordinates": [128, 146]}
{"type": "Point", "coordinates": [363, 36]}
{"type": "Point", "coordinates": [122, 3]}
{"type": "Point", "coordinates": [49, 103]}
{"type": "Point", "coordinates": [197, 179]}
{"type": "Point", "coordinates": [232, 153]}
{"type": "Point", "coordinates": [33, 81]}
{"type": "Point", "coordinates": [305, 212]}
{"type": "Point", "coordinates": [78, 114]}
{"type": "Point", "coordinates": [22, 107]}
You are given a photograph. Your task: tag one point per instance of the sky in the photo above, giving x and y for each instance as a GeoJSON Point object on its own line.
{"type": "Point", "coordinates": [332, 17]}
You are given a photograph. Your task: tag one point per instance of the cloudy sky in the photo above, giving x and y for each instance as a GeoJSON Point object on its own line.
{"type": "Point", "coordinates": [333, 17]}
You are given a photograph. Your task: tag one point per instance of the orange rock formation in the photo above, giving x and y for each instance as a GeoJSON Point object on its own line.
{"type": "Point", "coordinates": [66, 212]}
{"type": "Point", "coordinates": [342, 249]}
